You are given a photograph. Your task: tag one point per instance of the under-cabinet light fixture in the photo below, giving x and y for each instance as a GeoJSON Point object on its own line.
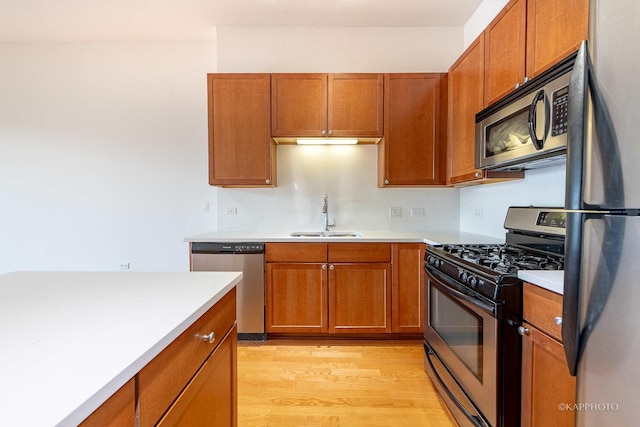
{"type": "Point", "coordinates": [326, 141]}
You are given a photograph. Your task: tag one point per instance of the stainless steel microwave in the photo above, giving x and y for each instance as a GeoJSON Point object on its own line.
{"type": "Point", "coordinates": [528, 128]}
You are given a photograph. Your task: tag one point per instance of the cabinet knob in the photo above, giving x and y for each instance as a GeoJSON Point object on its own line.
{"type": "Point", "coordinates": [557, 320]}
{"type": "Point", "coordinates": [324, 132]}
{"type": "Point", "coordinates": [526, 80]}
{"type": "Point", "coordinates": [478, 174]}
{"type": "Point", "coordinates": [386, 181]}
{"type": "Point", "coordinates": [517, 85]}
{"type": "Point", "coordinates": [268, 181]}
{"type": "Point", "coordinates": [330, 132]}
{"type": "Point", "coordinates": [324, 266]}
{"type": "Point", "coordinates": [210, 337]}
{"type": "Point", "coordinates": [523, 331]}
{"type": "Point", "coordinates": [331, 267]}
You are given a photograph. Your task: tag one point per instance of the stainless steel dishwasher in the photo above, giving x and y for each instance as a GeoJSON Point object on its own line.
{"type": "Point", "coordinates": [245, 257]}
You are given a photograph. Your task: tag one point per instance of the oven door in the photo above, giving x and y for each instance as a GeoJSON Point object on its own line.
{"type": "Point", "coordinates": [461, 328]}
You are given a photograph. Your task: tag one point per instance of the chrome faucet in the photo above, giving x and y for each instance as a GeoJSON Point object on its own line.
{"type": "Point", "coordinates": [325, 211]}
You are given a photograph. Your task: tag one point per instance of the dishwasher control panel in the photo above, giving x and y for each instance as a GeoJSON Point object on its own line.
{"type": "Point", "coordinates": [227, 248]}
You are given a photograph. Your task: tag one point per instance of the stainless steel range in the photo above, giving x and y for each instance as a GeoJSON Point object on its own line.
{"type": "Point", "coordinates": [473, 304]}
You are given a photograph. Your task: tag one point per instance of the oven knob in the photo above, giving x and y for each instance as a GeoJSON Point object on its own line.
{"type": "Point", "coordinates": [473, 281]}
{"type": "Point", "coordinates": [463, 276]}
{"type": "Point", "coordinates": [431, 260]}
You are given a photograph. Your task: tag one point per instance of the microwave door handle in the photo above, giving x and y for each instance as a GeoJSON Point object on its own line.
{"type": "Point", "coordinates": [538, 143]}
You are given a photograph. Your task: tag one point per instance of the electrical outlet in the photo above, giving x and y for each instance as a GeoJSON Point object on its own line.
{"type": "Point", "coordinates": [395, 212]}
{"type": "Point", "coordinates": [477, 213]}
{"type": "Point", "coordinates": [204, 206]}
{"type": "Point", "coordinates": [124, 266]}
{"type": "Point", "coordinates": [231, 211]}
{"type": "Point", "coordinates": [417, 211]}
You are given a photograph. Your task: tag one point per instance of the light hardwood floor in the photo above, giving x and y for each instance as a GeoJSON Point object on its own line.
{"type": "Point", "coordinates": [331, 383]}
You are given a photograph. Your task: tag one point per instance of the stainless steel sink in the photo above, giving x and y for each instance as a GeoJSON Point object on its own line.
{"type": "Point", "coordinates": [326, 234]}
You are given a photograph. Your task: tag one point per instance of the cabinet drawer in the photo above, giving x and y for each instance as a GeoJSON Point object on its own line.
{"type": "Point", "coordinates": [118, 411]}
{"type": "Point", "coordinates": [360, 252]}
{"type": "Point", "coordinates": [167, 374]}
{"type": "Point", "coordinates": [295, 252]}
{"type": "Point", "coordinates": [541, 308]}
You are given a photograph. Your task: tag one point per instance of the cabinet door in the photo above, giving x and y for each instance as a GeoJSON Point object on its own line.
{"type": "Point", "coordinates": [359, 298]}
{"type": "Point", "coordinates": [296, 297]}
{"type": "Point", "coordinates": [210, 398]}
{"type": "Point", "coordinates": [241, 152]}
{"type": "Point", "coordinates": [466, 80]}
{"type": "Point", "coordinates": [413, 149]}
{"type": "Point", "coordinates": [299, 104]}
{"type": "Point", "coordinates": [555, 29]}
{"type": "Point", "coordinates": [407, 286]}
{"type": "Point", "coordinates": [118, 411]}
{"type": "Point", "coordinates": [546, 382]}
{"type": "Point", "coordinates": [355, 105]}
{"type": "Point", "coordinates": [505, 49]}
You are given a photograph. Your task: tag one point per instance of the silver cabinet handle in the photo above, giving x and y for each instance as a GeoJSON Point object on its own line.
{"type": "Point", "coordinates": [331, 267]}
{"type": "Point", "coordinates": [526, 80]}
{"type": "Point", "coordinates": [517, 85]}
{"type": "Point", "coordinates": [268, 181]}
{"type": "Point", "coordinates": [210, 337]}
{"type": "Point", "coordinates": [324, 266]}
{"type": "Point", "coordinates": [523, 331]}
{"type": "Point", "coordinates": [478, 174]}
{"type": "Point", "coordinates": [330, 132]}
{"type": "Point", "coordinates": [324, 132]}
{"type": "Point", "coordinates": [557, 321]}
{"type": "Point", "coordinates": [386, 181]}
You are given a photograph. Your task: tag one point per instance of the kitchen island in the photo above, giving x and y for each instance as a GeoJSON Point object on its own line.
{"type": "Point", "coordinates": [70, 340]}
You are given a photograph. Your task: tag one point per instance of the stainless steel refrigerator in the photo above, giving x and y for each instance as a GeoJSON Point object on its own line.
{"type": "Point", "coordinates": [601, 311]}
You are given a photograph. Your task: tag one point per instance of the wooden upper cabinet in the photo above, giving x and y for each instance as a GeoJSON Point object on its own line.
{"type": "Point", "coordinates": [466, 81]}
{"type": "Point", "coordinates": [527, 38]}
{"type": "Point", "coordinates": [505, 50]}
{"type": "Point", "coordinates": [413, 150]}
{"type": "Point", "coordinates": [241, 152]}
{"type": "Point", "coordinates": [555, 28]}
{"type": "Point", "coordinates": [317, 105]}
{"type": "Point", "coordinates": [298, 104]}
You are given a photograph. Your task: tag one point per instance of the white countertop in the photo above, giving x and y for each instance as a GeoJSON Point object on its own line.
{"type": "Point", "coordinates": [551, 280]}
{"type": "Point", "coordinates": [433, 237]}
{"type": "Point", "coordinates": [68, 341]}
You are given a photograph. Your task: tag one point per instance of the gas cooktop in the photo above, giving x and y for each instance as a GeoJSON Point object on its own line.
{"type": "Point", "coordinates": [504, 258]}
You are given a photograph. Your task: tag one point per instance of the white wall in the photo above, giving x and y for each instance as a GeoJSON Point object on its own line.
{"type": "Point", "coordinates": [103, 154]}
{"type": "Point", "coordinates": [483, 15]}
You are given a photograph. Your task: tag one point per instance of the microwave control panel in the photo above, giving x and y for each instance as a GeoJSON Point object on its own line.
{"type": "Point", "coordinates": [559, 111]}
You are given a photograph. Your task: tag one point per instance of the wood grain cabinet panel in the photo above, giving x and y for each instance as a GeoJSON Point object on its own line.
{"type": "Point", "coordinates": [505, 48]}
{"type": "Point", "coordinates": [555, 29]}
{"type": "Point", "coordinates": [326, 105]}
{"type": "Point", "coordinates": [413, 150]}
{"type": "Point", "coordinates": [162, 379]}
{"type": "Point", "coordinates": [527, 38]}
{"type": "Point", "coordinates": [296, 297]}
{"type": "Point", "coordinates": [546, 382]}
{"type": "Point", "coordinates": [241, 151]}
{"type": "Point", "coordinates": [210, 398]}
{"type": "Point", "coordinates": [118, 411]}
{"type": "Point", "coordinates": [407, 283]}
{"type": "Point", "coordinates": [360, 298]}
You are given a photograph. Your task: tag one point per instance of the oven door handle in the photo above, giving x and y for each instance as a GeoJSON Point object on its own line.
{"type": "Point", "coordinates": [475, 419]}
{"type": "Point", "coordinates": [450, 287]}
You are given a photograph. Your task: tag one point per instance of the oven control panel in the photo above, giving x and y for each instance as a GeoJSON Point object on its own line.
{"type": "Point", "coordinates": [557, 219]}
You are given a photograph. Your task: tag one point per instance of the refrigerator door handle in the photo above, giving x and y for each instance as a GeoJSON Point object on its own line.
{"type": "Point", "coordinates": [577, 129]}
{"type": "Point", "coordinates": [571, 298]}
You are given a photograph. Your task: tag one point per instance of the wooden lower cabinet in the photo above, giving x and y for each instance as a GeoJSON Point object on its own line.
{"type": "Point", "coordinates": [360, 298]}
{"type": "Point", "coordinates": [296, 297]}
{"type": "Point", "coordinates": [546, 382]}
{"type": "Point", "coordinates": [210, 397]}
{"type": "Point", "coordinates": [118, 411]}
{"type": "Point", "coordinates": [194, 378]}
{"type": "Point", "coordinates": [344, 287]}
{"type": "Point", "coordinates": [407, 287]}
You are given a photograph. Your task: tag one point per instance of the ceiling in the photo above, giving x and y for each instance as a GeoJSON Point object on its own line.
{"type": "Point", "coordinates": [75, 20]}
